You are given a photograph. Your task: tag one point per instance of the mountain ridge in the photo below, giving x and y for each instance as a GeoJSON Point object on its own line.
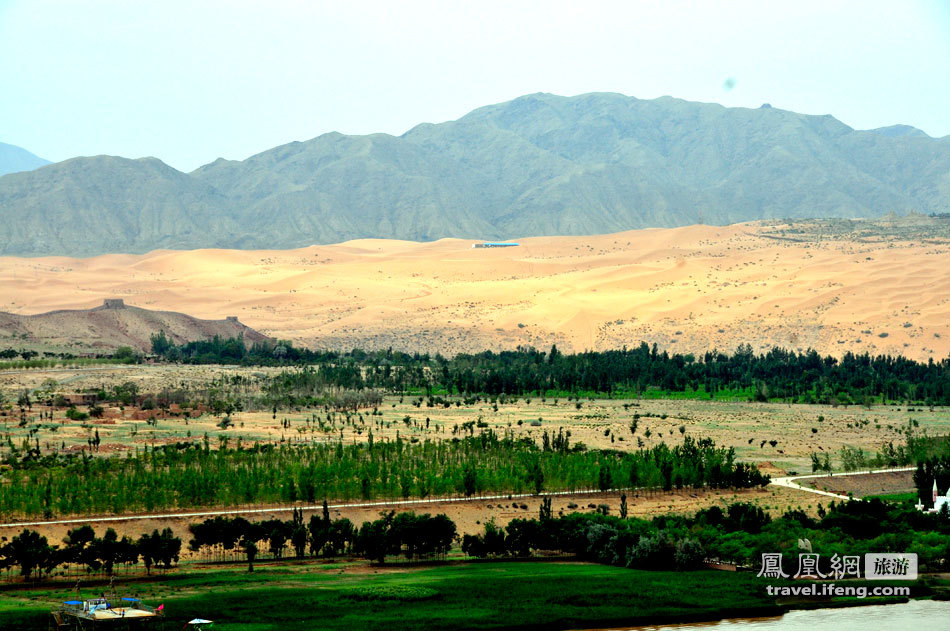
{"type": "Point", "coordinates": [540, 164]}
{"type": "Point", "coordinates": [15, 159]}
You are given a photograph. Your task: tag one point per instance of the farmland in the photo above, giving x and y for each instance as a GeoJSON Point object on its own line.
{"type": "Point", "coordinates": [774, 435]}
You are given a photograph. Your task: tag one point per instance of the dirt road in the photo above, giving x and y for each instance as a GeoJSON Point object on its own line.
{"type": "Point", "coordinates": [790, 482]}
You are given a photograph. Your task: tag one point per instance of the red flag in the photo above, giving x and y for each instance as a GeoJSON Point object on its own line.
{"type": "Point", "coordinates": [160, 607]}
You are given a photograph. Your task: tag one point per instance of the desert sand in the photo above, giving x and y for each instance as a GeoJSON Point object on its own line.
{"type": "Point", "coordinates": [688, 289]}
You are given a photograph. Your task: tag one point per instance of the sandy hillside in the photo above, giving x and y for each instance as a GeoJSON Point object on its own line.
{"type": "Point", "coordinates": [880, 289]}
{"type": "Point", "coordinates": [114, 324]}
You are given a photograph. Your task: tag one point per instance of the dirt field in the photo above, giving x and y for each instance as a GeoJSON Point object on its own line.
{"type": "Point", "coordinates": [862, 485]}
{"type": "Point", "coordinates": [881, 290]}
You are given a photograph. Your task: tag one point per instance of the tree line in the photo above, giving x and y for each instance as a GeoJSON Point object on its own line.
{"type": "Point", "coordinates": [740, 533]}
{"type": "Point", "coordinates": [737, 533]}
{"type": "Point", "coordinates": [219, 537]}
{"type": "Point", "coordinates": [778, 374]}
{"type": "Point", "coordinates": [414, 536]}
{"type": "Point", "coordinates": [34, 556]}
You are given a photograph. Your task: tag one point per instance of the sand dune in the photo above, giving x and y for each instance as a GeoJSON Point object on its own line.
{"type": "Point", "coordinates": [689, 289]}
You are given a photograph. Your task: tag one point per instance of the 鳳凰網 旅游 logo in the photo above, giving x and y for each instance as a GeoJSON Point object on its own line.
{"type": "Point", "coordinates": [811, 565]}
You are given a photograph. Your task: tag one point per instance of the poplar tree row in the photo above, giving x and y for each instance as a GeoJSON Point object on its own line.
{"type": "Point", "coordinates": [188, 475]}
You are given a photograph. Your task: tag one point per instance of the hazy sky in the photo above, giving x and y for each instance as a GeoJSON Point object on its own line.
{"type": "Point", "coordinates": [188, 82]}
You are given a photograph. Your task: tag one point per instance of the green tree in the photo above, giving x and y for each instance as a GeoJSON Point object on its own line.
{"type": "Point", "coordinates": [30, 551]}
{"type": "Point", "coordinates": [250, 550]}
{"type": "Point", "coordinates": [107, 550]}
{"type": "Point", "coordinates": [124, 353]}
{"type": "Point", "coordinates": [469, 480]}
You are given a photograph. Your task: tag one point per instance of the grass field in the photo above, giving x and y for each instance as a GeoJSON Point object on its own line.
{"type": "Point", "coordinates": [895, 497]}
{"type": "Point", "coordinates": [490, 595]}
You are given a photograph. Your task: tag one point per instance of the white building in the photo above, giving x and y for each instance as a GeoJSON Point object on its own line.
{"type": "Point", "coordinates": [938, 500]}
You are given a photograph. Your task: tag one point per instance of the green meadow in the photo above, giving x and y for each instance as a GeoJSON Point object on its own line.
{"type": "Point", "coordinates": [488, 595]}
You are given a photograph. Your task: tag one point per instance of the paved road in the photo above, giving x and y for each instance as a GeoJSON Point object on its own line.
{"type": "Point", "coordinates": [276, 509]}
{"type": "Point", "coordinates": [790, 482]}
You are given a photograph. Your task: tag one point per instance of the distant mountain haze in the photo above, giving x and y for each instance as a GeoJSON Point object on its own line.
{"type": "Point", "coordinates": [538, 165]}
{"type": "Point", "coordinates": [14, 159]}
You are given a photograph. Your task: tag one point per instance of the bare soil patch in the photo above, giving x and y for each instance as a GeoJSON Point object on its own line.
{"type": "Point", "coordinates": [866, 484]}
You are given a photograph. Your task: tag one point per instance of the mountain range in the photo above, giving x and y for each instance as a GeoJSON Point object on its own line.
{"type": "Point", "coordinates": [14, 159]}
{"type": "Point", "coordinates": [538, 165]}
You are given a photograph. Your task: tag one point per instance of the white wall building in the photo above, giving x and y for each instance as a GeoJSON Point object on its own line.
{"type": "Point", "coordinates": [938, 500]}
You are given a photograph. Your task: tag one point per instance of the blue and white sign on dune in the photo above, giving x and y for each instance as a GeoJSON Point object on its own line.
{"type": "Point", "coordinates": [495, 244]}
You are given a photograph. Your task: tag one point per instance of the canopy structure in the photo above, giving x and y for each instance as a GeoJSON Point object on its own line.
{"type": "Point", "coordinates": [106, 614]}
{"type": "Point", "coordinates": [199, 621]}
